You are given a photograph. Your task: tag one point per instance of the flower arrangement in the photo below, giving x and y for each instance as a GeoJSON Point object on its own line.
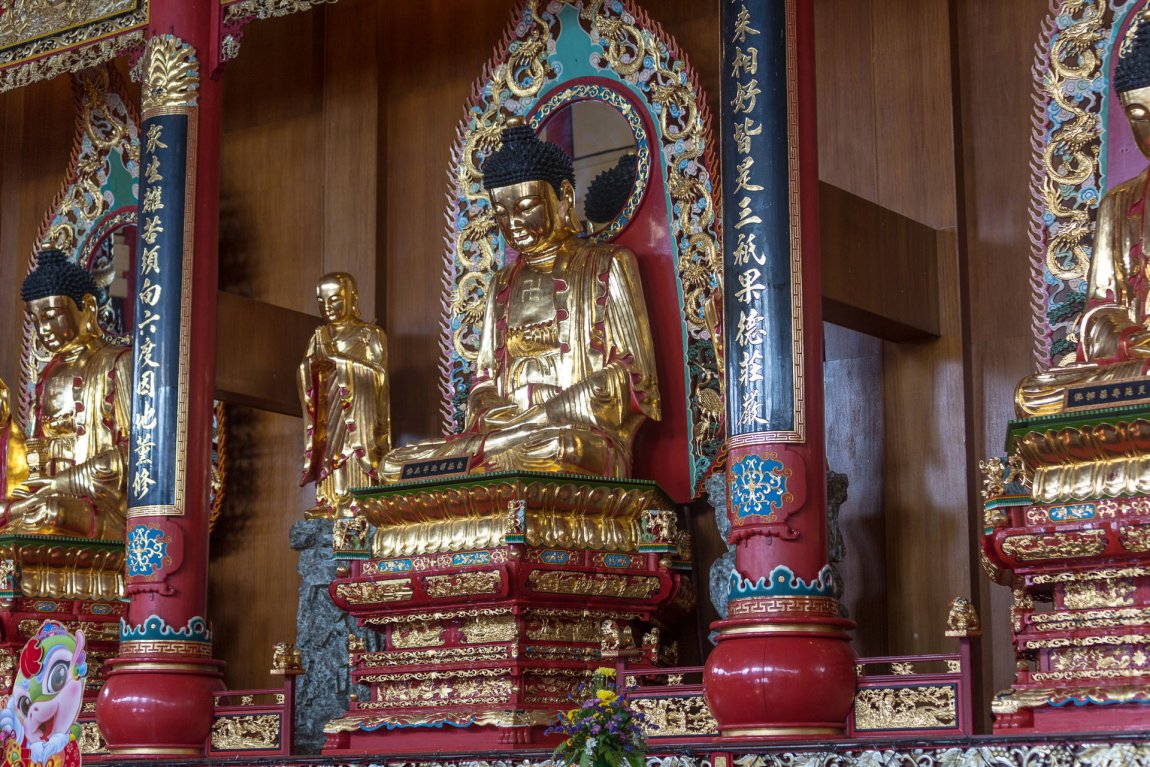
{"type": "Point", "coordinates": [603, 731]}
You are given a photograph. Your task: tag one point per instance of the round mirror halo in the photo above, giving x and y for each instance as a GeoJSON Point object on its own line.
{"type": "Point", "coordinates": [604, 134]}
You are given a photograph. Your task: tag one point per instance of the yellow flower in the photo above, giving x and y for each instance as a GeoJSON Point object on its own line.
{"type": "Point", "coordinates": [571, 714]}
{"type": "Point", "coordinates": [606, 697]}
{"type": "Point", "coordinates": [605, 671]}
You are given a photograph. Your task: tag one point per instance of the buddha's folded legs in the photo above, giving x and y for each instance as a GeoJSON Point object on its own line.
{"type": "Point", "coordinates": [528, 447]}
{"type": "Point", "coordinates": [1044, 393]}
{"type": "Point", "coordinates": [44, 514]}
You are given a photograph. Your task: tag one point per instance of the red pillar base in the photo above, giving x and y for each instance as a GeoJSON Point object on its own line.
{"type": "Point", "coordinates": [781, 680]}
{"type": "Point", "coordinates": [158, 706]}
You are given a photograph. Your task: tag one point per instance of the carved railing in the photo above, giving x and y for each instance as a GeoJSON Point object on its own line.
{"type": "Point", "coordinates": [898, 696]}
{"type": "Point", "coordinates": [251, 722]}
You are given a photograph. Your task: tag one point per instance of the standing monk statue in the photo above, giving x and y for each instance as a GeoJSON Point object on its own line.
{"type": "Point", "coordinates": [566, 368]}
{"type": "Point", "coordinates": [343, 389]}
{"type": "Point", "coordinates": [1114, 332]}
{"type": "Point", "coordinates": [66, 475]}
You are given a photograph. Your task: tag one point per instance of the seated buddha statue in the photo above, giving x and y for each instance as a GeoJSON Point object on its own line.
{"type": "Point", "coordinates": [565, 374]}
{"type": "Point", "coordinates": [343, 389]}
{"type": "Point", "coordinates": [67, 473]}
{"type": "Point", "coordinates": [1114, 332]}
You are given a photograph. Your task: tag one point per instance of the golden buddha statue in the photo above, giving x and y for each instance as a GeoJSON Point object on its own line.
{"type": "Point", "coordinates": [67, 474]}
{"type": "Point", "coordinates": [1114, 332]}
{"type": "Point", "coordinates": [343, 389]}
{"type": "Point", "coordinates": [566, 369]}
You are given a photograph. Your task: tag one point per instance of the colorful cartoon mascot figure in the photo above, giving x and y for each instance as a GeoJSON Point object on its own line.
{"type": "Point", "coordinates": [39, 723]}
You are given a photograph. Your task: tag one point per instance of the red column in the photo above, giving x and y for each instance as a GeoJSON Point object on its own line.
{"type": "Point", "coordinates": [158, 697]}
{"type": "Point", "coordinates": [783, 666]}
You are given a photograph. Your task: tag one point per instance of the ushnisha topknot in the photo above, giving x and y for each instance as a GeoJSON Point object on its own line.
{"type": "Point", "coordinates": [57, 275]}
{"type": "Point", "coordinates": [1133, 70]}
{"type": "Point", "coordinates": [523, 157]}
{"type": "Point", "coordinates": [610, 190]}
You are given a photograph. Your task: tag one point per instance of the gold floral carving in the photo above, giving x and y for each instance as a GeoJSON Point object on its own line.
{"type": "Point", "coordinates": [417, 635]}
{"type": "Point", "coordinates": [463, 584]}
{"type": "Point", "coordinates": [548, 629]}
{"type": "Point", "coordinates": [268, 9]}
{"type": "Point", "coordinates": [442, 655]}
{"type": "Point", "coordinates": [485, 630]}
{"type": "Point", "coordinates": [1086, 641]}
{"type": "Point", "coordinates": [1101, 658]}
{"type": "Point", "coordinates": [993, 479]}
{"type": "Point", "coordinates": [1029, 548]}
{"type": "Point", "coordinates": [510, 718]}
{"type": "Point", "coordinates": [676, 716]}
{"type": "Point", "coordinates": [1136, 539]}
{"type": "Point", "coordinates": [902, 669]}
{"type": "Point", "coordinates": [463, 691]}
{"type": "Point", "coordinates": [40, 39]}
{"type": "Point", "coordinates": [246, 733]}
{"type": "Point", "coordinates": [904, 708]}
{"type": "Point", "coordinates": [593, 584]}
{"type": "Point", "coordinates": [441, 615]}
{"type": "Point", "coordinates": [91, 741]}
{"type": "Point", "coordinates": [1079, 576]}
{"type": "Point", "coordinates": [992, 570]}
{"type": "Point", "coordinates": [1110, 673]}
{"type": "Point", "coordinates": [374, 592]}
{"type": "Point", "coordinates": [171, 74]}
{"type": "Point", "coordinates": [1093, 619]}
{"type": "Point", "coordinates": [1092, 595]}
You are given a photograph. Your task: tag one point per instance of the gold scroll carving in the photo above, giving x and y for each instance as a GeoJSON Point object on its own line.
{"type": "Point", "coordinates": [593, 584]}
{"type": "Point", "coordinates": [463, 584]}
{"type": "Point", "coordinates": [417, 635]}
{"type": "Point", "coordinates": [1089, 595]}
{"type": "Point", "coordinates": [903, 708]}
{"type": "Point", "coordinates": [487, 629]}
{"type": "Point", "coordinates": [1027, 548]}
{"type": "Point", "coordinates": [373, 592]}
{"type": "Point", "coordinates": [676, 716]}
{"type": "Point", "coordinates": [246, 733]}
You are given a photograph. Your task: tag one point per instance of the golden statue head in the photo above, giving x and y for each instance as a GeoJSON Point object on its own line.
{"type": "Point", "coordinates": [338, 297]}
{"type": "Point", "coordinates": [1132, 83]}
{"type": "Point", "coordinates": [61, 299]}
{"type": "Point", "coordinates": [532, 188]}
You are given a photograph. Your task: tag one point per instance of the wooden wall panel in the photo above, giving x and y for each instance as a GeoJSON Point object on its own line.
{"type": "Point", "coordinates": [252, 584]}
{"type": "Point", "coordinates": [925, 476]}
{"type": "Point", "coordinates": [886, 135]}
{"type": "Point", "coordinates": [995, 99]}
{"type": "Point", "coordinates": [853, 378]}
{"type": "Point", "coordinates": [914, 135]}
{"type": "Point", "coordinates": [845, 80]}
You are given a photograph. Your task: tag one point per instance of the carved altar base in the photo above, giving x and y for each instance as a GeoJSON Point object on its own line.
{"type": "Point", "coordinates": [497, 596]}
{"type": "Point", "coordinates": [1067, 525]}
{"type": "Point", "coordinates": [75, 581]}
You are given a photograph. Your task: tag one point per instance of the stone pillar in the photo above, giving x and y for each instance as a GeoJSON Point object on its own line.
{"type": "Point", "coordinates": [158, 697]}
{"type": "Point", "coordinates": [783, 666]}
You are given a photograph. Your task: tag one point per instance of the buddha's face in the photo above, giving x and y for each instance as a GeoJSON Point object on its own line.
{"type": "Point", "coordinates": [335, 300]}
{"type": "Point", "coordinates": [58, 321]}
{"type": "Point", "coordinates": [531, 215]}
{"type": "Point", "coordinates": [1137, 105]}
